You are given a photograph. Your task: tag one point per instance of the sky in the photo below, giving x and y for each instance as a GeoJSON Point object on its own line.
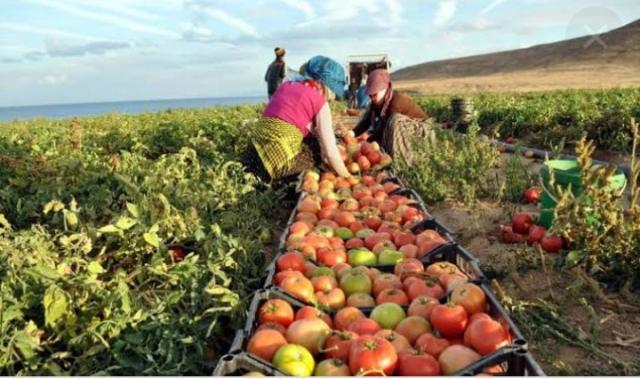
{"type": "Point", "coordinates": [70, 51]}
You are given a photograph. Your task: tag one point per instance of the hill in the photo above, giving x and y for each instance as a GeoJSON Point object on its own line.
{"type": "Point", "coordinates": [611, 59]}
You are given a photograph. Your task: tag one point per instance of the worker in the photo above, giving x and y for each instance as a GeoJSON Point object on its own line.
{"type": "Point", "coordinates": [295, 132]}
{"type": "Point", "coordinates": [393, 119]}
{"type": "Point", "coordinates": [275, 72]}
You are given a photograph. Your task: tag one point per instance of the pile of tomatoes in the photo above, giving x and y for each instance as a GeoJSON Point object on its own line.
{"type": "Point", "coordinates": [366, 303]}
{"type": "Point", "coordinates": [523, 229]}
{"type": "Point", "coordinates": [411, 328]}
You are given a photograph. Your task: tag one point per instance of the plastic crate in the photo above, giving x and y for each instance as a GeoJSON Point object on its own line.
{"type": "Point", "coordinates": [242, 363]}
{"type": "Point", "coordinates": [512, 360]}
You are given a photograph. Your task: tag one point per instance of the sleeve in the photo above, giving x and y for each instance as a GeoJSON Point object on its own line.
{"type": "Point", "coordinates": [364, 123]}
{"type": "Point", "coordinates": [266, 74]}
{"type": "Point", "coordinates": [283, 70]}
{"type": "Point", "coordinates": [327, 139]}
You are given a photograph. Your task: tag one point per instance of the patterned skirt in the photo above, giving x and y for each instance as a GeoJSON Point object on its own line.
{"type": "Point", "coordinates": [278, 150]}
{"type": "Point", "coordinates": [399, 133]}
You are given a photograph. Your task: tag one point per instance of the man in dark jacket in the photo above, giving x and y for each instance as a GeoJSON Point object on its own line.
{"type": "Point", "coordinates": [275, 72]}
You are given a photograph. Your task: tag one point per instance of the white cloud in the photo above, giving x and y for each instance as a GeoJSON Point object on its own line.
{"type": "Point", "coordinates": [107, 19]}
{"type": "Point", "coordinates": [395, 11]}
{"type": "Point", "coordinates": [48, 32]}
{"type": "Point", "coordinates": [224, 17]}
{"type": "Point", "coordinates": [121, 7]}
{"type": "Point", "coordinates": [53, 79]}
{"type": "Point", "coordinates": [303, 6]}
{"type": "Point", "coordinates": [446, 11]}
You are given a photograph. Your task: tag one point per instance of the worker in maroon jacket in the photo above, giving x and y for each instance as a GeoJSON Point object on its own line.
{"type": "Point", "coordinates": [392, 118]}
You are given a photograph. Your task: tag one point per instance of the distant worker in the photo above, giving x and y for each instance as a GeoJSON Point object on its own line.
{"type": "Point", "coordinates": [296, 132]}
{"type": "Point", "coordinates": [392, 118]}
{"type": "Point", "coordinates": [275, 72]}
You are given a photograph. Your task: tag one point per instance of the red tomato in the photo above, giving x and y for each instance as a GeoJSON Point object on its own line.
{"type": "Point", "coordinates": [291, 261]}
{"type": "Point", "coordinates": [324, 283]}
{"type": "Point", "coordinates": [536, 233]}
{"type": "Point", "coordinates": [372, 355]}
{"type": "Point", "coordinates": [426, 287]}
{"type": "Point", "coordinates": [551, 244]}
{"type": "Point", "coordinates": [450, 320]}
{"type": "Point", "coordinates": [399, 342]}
{"type": "Point", "coordinates": [346, 316]}
{"type": "Point", "coordinates": [338, 345]}
{"type": "Point", "coordinates": [521, 223]}
{"type": "Point", "coordinates": [392, 295]}
{"type": "Point", "coordinates": [408, 267]}
{"type": "Point", "coordinates": [309, 312]}
{"type": "Point", "coordinates": [440, 268]}
{"type": "Point", "coordinates": [431, 344]}
{"type": "Point", "coordinates": [265, 343]}
{"type": "Point", "coordinates": [422, 306]}
{"type": "Point", "coordinates": [417, 364]}
{"type": "Point", "coordinates": [299, 287]}
{"type": "Point", "coordinates": [456, 357]}
{"type": "Point", "coordinates": [275, 310]}
{"type": "Point", "coordinates": [331, 257]}
{"type": "Point", "coordinates": [332, 299]}
{"type": "Point", "coordinates": [364, 326]}
{"type": "Point", "coordinates": [471, 297]}
{"type": "Point", "coordinates": [486, 336]}
{"type": "Point", "coordinates": [532, 195]}
{"type": "Point", "coordinates": [274, 326]}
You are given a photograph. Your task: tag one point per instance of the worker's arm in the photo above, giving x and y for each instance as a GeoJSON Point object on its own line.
{"type": "Point", "coordinates": [327, 138]}
{"type": "Point", "coordinates": [364, 124]}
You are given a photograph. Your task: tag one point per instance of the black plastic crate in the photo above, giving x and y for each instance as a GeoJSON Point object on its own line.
{"type": "Point", "coordinates": [242, 363]}
{"type": "Point", "coordinates": [511, 360]}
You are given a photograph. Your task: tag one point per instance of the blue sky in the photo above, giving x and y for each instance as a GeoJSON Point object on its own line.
{"type": "Point", "coordinates": [65, 51]}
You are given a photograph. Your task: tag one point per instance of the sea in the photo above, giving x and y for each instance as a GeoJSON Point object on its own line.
{"type": "Point", "coordinates": [57, 111]}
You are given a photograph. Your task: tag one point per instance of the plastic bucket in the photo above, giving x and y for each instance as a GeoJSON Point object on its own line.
{"type": "Point", "coordinates": [567, 173]}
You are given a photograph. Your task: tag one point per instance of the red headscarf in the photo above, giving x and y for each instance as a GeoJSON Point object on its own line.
{"type": "Point", "coordinates": [377, 81]}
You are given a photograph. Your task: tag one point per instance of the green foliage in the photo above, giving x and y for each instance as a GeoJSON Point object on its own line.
{"type": "Point", "coordinates": [604, 237]}
{"type": "Point", "coordinates": [516, 178]}
{"type": "Point", "coordinates": [543, 118]}
{"type": "Point", "coordinates": [88, 285]}
{"type": "Point", "coordinates": [456, 167]}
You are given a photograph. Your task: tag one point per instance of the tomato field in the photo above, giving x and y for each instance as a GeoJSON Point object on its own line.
{"type": "Point", "coordinates": [128, 244]}
{"type": "Point", "coordinates": [133, 245]}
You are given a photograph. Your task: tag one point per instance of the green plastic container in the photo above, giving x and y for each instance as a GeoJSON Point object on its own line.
{"type": "Point", "coordinates": [567, 173]}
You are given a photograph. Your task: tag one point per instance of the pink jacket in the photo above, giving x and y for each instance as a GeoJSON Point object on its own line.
{"type": "Point", "coordinates": [296, 104]}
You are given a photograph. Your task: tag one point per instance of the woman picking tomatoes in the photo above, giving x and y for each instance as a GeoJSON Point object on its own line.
{"type": "Point", "coordinates": [296, 132]}
{"type": "Point", "coordinates": [393, 118]}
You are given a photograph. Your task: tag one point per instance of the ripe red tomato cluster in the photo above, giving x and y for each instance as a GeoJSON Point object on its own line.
{"type": "Point", "coordinates": [426, 338]}
{"type": "Point", "coordinates": [523, 229]}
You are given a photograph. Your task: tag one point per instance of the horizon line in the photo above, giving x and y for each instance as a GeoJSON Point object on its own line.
{"type": "Point", "coordinates": [130, 101]}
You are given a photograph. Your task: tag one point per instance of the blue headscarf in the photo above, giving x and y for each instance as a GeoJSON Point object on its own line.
{"type": "Point", "coordinates": [328, 71]}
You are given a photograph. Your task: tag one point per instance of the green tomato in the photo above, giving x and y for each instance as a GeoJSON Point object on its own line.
{"type": "Point", "coordinates": [362, 257]}
{"type": "Point", "coordinates": [344, 233]}
{"type": "Point", "coordinates": [388, 315]}
{"type": "Point", "coordinates": [294, 360]}
{"type": "Point", "coordinates": [390, 257]}
{"type": "Point", "coordinates": [356, 282]}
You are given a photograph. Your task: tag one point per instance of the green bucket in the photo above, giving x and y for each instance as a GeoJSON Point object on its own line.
{"type": "Point", "coordinates": [567, 173]}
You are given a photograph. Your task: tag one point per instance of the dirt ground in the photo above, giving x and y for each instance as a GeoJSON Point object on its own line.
{"type": "Point", "coordinates": [574, 77]}
{"type": "Point", "coordinates": [605, 326]}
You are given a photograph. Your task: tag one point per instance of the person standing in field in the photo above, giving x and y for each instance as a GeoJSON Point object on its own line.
{"type": "Point", "coordinates": [275, 72]}
{"type": "Point", "coordinates": [393, 119]}
{"type": "Point", "coordinates": [295, 131]}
